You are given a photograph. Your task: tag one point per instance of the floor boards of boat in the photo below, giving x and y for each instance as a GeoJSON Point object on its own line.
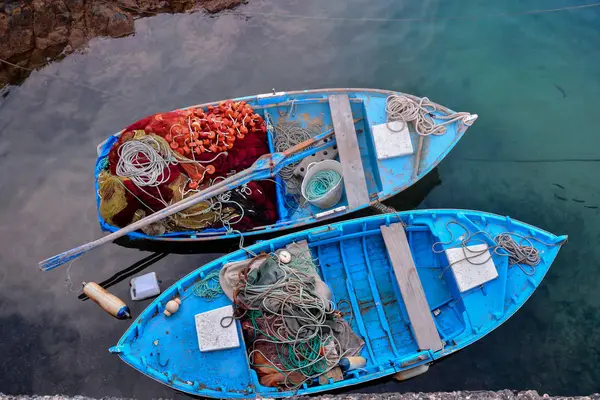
{"type": "Point", "coordinates": [411, 288]}
{"type": "Point", "coordinates": [358, 272]}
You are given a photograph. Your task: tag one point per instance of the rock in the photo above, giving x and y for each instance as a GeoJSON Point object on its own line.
{"type": "Point", "coordinates": [215, 6]}
{"type": "Point", "coordinates": [20, 30]}
{"type": "Point", "coordinates": [60, 35]}
{"type": "Point", "coordinates": [119, 24]}
{"type": "Point", "coordinates": [77, 39]}
{"type": "Point", "coordinates": [49, 16]}
{"type": "Point", "coordinates": [75, 6]}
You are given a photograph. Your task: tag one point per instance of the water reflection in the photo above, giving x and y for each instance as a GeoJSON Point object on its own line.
{"type": "Point", "coordinates": [505, 69]}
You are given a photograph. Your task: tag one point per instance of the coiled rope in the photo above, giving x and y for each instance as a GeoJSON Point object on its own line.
{"type": "Point", "coordinates": [421, 114]}
{"type": "Point", "coordinates": [521, 253]}
{"type": "Point", "coordinates": [209, 287]}
{"type": "Point", "coordinates": [285, 136]}
{"type": "Point", "coordinates": [292, 315]}
{"type": "Point", "coordinates": [142, 161]}
{"type": "Point", "coordinates": [321, 183]}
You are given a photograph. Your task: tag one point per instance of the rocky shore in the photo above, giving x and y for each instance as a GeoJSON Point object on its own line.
{"type": "Point", "coordinates": [36, 31]}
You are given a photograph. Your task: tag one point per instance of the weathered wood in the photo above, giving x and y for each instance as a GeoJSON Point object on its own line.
{"type": "Point", "coordinates": [347, 142]}
{"type": "Point", "coordinates": [413, 295]}
{"type": "Point", "coordinates": [417, 165]}
{"type": "Point", "coordinates": [335, 374]}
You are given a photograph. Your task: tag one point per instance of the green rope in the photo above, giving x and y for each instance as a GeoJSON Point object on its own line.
{"type": "Point", "coordinates": [103, 164]}
{"type": "Point", "coordinates": [209, 288]}
{"type": "Point", "coordinates": [321, 183]}
{"type": "Point", "coordinates": [304, 357]}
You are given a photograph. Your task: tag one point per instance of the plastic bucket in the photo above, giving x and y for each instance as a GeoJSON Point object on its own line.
{"type": "Point", "coordinates": [332, 197]}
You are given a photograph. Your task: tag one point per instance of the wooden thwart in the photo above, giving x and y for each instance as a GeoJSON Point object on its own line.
{"type": "Point", "coordinates": [413, 295]}
{"type": "Point", "coordinates": [347, 142]}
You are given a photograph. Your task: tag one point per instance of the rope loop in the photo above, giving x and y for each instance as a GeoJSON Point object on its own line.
{"type": "Point", "coordinates": [422, 114]}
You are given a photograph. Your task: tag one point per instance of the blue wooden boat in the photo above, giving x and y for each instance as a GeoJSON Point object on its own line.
{"type": "Point", "coordinates": [409, 303]}
{"type": "Point", "coordinates": [373, 169]}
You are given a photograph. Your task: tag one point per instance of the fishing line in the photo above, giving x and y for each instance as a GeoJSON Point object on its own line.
{"type": "Point", "coordinates": [415, 19]}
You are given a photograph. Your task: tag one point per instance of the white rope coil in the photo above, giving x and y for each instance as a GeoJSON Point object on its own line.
{"type": "Point", "coordinates": [421, 114]}
{"type": "Point", "coordinates": [142, 161]}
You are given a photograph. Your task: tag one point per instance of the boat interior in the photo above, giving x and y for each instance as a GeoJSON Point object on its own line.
{"type": "Point", "coordinates": [405, 319]}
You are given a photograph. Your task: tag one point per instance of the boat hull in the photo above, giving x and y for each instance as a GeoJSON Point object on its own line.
{"type": "Point", "coordinates": [384, 178]}
{"type": "Point", "coordinates": [353, 262]}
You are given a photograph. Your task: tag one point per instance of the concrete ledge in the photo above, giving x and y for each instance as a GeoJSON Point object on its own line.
{"type": "Point", "coordinates": [480, 395]}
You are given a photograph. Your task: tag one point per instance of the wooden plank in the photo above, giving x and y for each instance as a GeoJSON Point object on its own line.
{"type": "Point", "coordinates": [413, 295]}
{"type": "Point", "coordinates": [347, 142]}
{"type": "Point", "coordinates": [335, 373]}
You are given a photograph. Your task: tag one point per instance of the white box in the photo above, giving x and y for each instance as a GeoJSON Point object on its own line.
{"type": "Point", "coordinates": [144, 286]}
{"type": "Point", "coordinates": [211, 335]}
{"type": "Point", "coordinates": [394, 142]}
{"type": "Point", "coordinates": [472, 272]}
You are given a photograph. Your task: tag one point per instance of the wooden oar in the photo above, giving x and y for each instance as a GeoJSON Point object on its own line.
{"type": "Point", "coordinates": [265, 167]}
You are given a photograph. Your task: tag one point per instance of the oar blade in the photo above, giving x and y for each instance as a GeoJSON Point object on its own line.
{"type": "Point", "coordinates": [58, 260]}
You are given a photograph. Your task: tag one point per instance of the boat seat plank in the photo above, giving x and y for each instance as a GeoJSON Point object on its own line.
{"type": "Point", "coordinates": [347, 142]}
{"type": "Point", "coordinates": [411, 288]}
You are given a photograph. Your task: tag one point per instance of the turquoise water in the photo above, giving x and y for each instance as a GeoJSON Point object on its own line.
{"type": "Point", "coordinates": [533, 154]}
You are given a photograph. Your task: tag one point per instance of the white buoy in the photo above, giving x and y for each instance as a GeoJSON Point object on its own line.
{"type": "Point", "coordinates": [109, 302]}
{"type": "Point", "coordinates": [285, 256]}
{"type": "Point", "coordinates": [172, 307]}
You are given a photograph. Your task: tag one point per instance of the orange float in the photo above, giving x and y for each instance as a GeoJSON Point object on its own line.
{"type": "Point", "coordinates": [213, 129]}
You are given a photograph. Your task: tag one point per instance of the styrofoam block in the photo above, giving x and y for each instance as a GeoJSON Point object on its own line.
{"type": "Point", "coordinates": [144, 286]}
{"type": "Point", "coordinates": [394, 142]}
{"type": "Point", "coordinates": [472, 272]}
{"type": "Point", "coordinates": [211, 335]}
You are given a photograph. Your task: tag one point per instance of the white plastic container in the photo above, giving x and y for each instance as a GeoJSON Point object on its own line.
{"type": "Point", "coordinates": [144, 286]}
{"type": "Point", "coordinates": [332, 197]}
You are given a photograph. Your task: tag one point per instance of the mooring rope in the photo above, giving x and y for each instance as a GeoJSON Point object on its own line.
{"type": "Point", "coordinates": [522, 253]}
{"type": "Point", "coordinates": [421, 114]}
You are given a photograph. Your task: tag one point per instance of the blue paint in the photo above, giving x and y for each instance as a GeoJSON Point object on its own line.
{"type": "Point", "coordinates": [353, 261]}
{"type": "Point", "coordinates": [123, 313]}
{"type": "Point", "coordinates": [384, 178]}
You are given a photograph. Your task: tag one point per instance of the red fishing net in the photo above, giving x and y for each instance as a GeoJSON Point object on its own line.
{"type": "Point", "coordinates": [202, 144]}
